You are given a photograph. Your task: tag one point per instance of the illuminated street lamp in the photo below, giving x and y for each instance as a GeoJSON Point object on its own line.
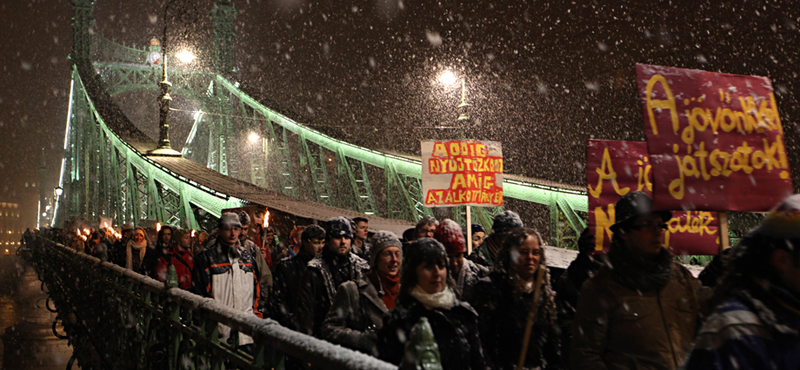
{"type": "Point", "coordinates": [254, 137]}
{"type": "Point", "coordinates": [449, 78]}
{"type": "Point", "coordinates": [185, 56]}
{"type": "Point", "coordinates": [164, 149]}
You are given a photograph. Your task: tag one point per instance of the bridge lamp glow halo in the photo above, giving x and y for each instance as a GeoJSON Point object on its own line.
{"type": "Point", "coordinates": [185, 56]}
{"type": "Point", "coordinates": [447, 77]}
{"type": "Point", "coordinates": [254, 137]}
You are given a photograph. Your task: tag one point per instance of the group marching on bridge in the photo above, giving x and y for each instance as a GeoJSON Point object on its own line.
{"type": "Point", "coordinates": [633, 307]}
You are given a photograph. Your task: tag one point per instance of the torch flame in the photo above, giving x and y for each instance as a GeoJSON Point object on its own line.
{"type": "Point", "coordinates": [105, 225]}
{"type": "Point", "coordinates": [192, 233]}
{"type": "Point", "coordinates": [158, 226]}
{"type": "Point", "coordinates": [86, 231]}
{"type": "Point", "coordinates": [266, 220]}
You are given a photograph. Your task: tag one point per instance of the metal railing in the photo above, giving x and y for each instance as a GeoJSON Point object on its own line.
{"type": "Point", "coordinates": [118, 319]}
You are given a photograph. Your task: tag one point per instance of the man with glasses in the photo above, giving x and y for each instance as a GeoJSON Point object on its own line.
{"type": "Point", "coordinates": [640, 310]}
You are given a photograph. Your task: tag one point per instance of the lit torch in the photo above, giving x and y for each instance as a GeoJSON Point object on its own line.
{"type": "Point", "coordinates": [264, 230]}
{"type": "Point", "coordinates": [158, 226]}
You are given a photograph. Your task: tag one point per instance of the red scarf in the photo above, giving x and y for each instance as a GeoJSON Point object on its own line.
{"type": "Point", "coordinates": [390, 286]}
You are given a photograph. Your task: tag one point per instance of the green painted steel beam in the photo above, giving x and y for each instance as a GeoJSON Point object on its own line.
{"type": "Point", "coordinates": [527, 191]}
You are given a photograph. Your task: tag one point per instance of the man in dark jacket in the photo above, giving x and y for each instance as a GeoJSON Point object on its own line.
{"type": "Point", "coordinates": [487, 252]}
{"type": "Point", "coordinates": [643, 313]}
{"type": "Point", "coordinates": [288, 273]}
{"type": "Point", "coordinates": [323, 275]}
{"type": "Point", "coordinates": [757, 324]}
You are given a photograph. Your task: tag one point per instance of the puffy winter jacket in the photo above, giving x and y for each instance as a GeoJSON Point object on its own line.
{"type": "Point", "coordinates": [229, 275]}
{"type": "Point", "coordinates": [355, 317]}
{"type": "Point", "coordinates": [619, 328]}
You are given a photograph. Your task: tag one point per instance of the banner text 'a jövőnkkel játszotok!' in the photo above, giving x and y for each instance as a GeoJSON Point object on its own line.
{"type": "Point", "coordinates": [715, 140]}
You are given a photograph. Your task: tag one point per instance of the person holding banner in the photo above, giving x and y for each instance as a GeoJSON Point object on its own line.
{"type": "Point", "coordinates": [640, 310]}
{"type": "Point", "coordinates": [757, 324]}
{"type": "Point", "coordinates": [504, 299]}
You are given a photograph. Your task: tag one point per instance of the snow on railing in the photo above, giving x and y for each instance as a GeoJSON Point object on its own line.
{"type": "Point", "coordinates": [123, 295]}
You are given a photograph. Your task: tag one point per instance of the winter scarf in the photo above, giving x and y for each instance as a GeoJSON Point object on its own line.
{"type": "Point", "coordinates": [141, 247]}
{"type": "Point", "coordinates": [762, 295]}
{"type": "Point", "coordinates": [445, 299]}
{"type": "Point", "coordinates": [339, 266]}
{"type": "Point", "coordinates": [639, 272]}
{"type": "Point", "coordinates": [388, 287]}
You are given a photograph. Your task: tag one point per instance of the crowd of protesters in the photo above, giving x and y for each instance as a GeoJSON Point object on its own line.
{"type": "Point", "coordinates": [499, 307]}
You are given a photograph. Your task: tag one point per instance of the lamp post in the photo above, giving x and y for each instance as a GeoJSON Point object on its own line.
{"type": "Point", "coordinates": [448, 78]}
{"type": "Point", "coordinates": [164, 149]}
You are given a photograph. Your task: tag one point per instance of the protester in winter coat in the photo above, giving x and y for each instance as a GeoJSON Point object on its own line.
{"type": "Point", "coordinates": [487, 252]}
{"type": "Point", "coordinates": [288, 273]}
{"type": "Point", "coordinates": [757, 324]}
{"type": "Point", "coordinates": [427, 291]}
{"type": "Point", "coordinates": [335, 266]}
{"type": "Point", "coordinates": [179, 255]}
{"type": "Point", "coordinates": [118, 253]}
{"type": "Point", "coordinates": [503, 301]}
{"type": "Point", "coordinates": [359, 306]}
{"type": "Point", "coordinates": [360, 244]}
{"type": "Point", "coordinates": [97, 246]}
{"type": "Point", "coordinates": [642, 313]}
{"type": "Point", "coordinates": [226, 271]}
{"type": "Point", "coordinates": [139, 254]}
{"type": "Point", "coordinates": [464, 272]}
{"type": "Point", "coordinates": [568, 287]}
{"type": "Point", "coordinates": [264, 274]}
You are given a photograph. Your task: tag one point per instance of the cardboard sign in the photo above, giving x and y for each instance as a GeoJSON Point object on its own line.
{"type": "Point", "coordinates": [715, 140]}
{"type": "Point", "coordinates": [615, 168]}
{"type": "Point", "coordinates": [462, 172]}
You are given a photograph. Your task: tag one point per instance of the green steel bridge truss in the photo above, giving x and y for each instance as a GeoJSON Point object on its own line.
{"type": "Point", "coordinates": [103, 174]}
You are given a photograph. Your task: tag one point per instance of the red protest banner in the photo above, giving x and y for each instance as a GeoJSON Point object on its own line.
{"type": "Point", "coordinates": [462, 172]}
{"type": "Point", "coordinates": [715, 140]}
{"type": "Point", "coordinates": [615, 168]}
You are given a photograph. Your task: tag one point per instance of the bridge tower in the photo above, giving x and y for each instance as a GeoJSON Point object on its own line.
{"type": "Point", "coordinates": [220, 129]}
{"type": "Point", "coordinates": [82, 23]}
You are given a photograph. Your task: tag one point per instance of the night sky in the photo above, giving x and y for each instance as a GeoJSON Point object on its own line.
{"type": "Point", "coordinates": [542, 76]}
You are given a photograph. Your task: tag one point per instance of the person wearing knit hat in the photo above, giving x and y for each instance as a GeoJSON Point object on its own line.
{"type": "Point", "coordinates": [756, 323]}
{"type": "Point", "coordinates": [504, 222]}
{"type": "Point", "coordinates": [360, 305]}
{"type": "Point", "coordinates": [426, 290]}
{"type": "Point", "coordinates": [464, 272]}
{"type": "Point", "coordinates": [289, 272]}
{"type": "Point", "coordinates": [335, 266]}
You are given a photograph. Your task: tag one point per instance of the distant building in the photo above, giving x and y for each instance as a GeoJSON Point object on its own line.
{"type": "Point", "coordinates": [11, 228]}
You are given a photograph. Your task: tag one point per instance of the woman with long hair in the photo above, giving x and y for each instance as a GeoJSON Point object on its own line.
{"type": "Point", "coordinates": [426, 290]}
{"type": "Point", "coordinates": [503, 301]}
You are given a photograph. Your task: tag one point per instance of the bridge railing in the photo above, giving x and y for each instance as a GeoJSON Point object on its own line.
{"type": "Point", "coordinates": [118, 319]}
